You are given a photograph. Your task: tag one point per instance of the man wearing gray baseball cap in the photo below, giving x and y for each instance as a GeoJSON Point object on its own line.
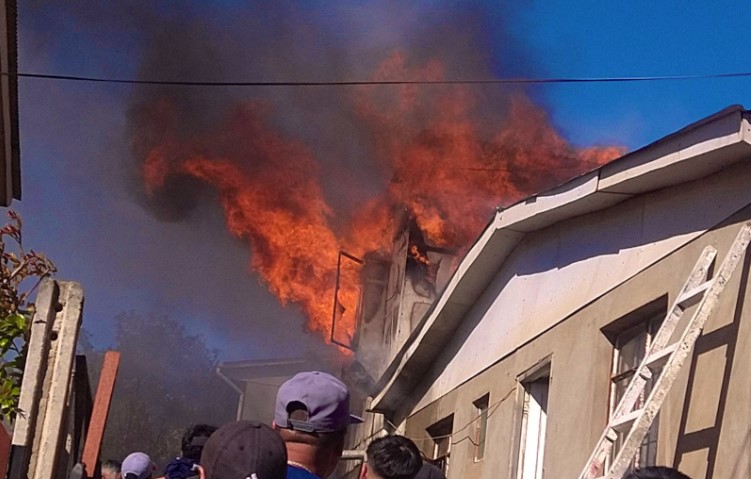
{"type": "Point", "coordinates": [312, 416]}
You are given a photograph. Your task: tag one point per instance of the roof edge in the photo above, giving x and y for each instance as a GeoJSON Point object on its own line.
{"type": "Point", "coordinates": [693, 152]}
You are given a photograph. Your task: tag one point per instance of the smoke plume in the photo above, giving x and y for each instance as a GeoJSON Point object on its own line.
{"type": "Point", "coordinates": [303, 173]}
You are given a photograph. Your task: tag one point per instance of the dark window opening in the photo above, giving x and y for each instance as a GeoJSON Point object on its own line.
{"type": "Point", "coordinates": [441, 432]}
{"type": "Point", "coordinates": [629, 349]}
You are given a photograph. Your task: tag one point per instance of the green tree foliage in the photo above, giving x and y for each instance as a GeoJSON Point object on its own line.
{"type": "Point", "coordinates": [166, 382]}
{"type": "Point", "coordinates": [20, 273]}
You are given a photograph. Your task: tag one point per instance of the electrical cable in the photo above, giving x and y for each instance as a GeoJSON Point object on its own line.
{"type": "Point", "coordinates": [489, 81]}
{"type": "Point", "coordinates": [491, 410]}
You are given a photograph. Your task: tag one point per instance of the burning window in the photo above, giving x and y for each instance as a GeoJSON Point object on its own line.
{"type": "Point", "coordinates": [418, 271]}
{"type": "Point", "coordinates": [422, 267]}
{"type": "Point", "coordinates": [347, 299]}
{"type": "Point", "coordinates": [630, 347]}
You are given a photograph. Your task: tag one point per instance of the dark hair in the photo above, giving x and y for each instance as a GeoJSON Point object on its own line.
{"type": "Point", "coordinates": [111, 465]}
{"type": "Point", "coordinates": [656, 472]}
{"type": "Point", "coordinates": [194, 439]}
{"type": "Point", "coordinates": [394, 457]}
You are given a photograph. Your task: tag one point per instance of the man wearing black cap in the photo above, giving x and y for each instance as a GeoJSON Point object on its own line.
{"type": "Point", "coordinates": [312, 416]}
{"type": "Point", "coordinates": [244, 450]}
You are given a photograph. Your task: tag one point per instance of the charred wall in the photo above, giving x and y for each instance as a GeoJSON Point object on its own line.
{"type": "Point", "coordinates": [397, 293]}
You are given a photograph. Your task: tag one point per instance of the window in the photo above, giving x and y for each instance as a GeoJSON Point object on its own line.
{"type": "Point", "coordinates": [441, 434]}
{"type": "Point", "coordinates": [481, 426]}
{"type": "Point", "coordinates": [630, 348]}
{"type": "Point", "coordinates": [534, 425]}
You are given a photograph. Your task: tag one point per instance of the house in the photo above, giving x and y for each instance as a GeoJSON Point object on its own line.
{"type": "Point", "coordinates": [515, 368]}
{"type": "Point", "coordinates": [257, 381]}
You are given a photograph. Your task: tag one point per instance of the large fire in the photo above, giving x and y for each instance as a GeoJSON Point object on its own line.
{"type": "Point", "coordinates": [438, 160]}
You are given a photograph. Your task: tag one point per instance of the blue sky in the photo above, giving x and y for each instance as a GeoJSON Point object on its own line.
{"type": "Point", "coordinates": [595, 39]}
{"type": "Point", "coordinates": [80, 208]}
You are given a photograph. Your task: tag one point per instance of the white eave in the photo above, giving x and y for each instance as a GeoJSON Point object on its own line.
{"type": "Point", "coordinates": [691, 153]}
{"type": "Point", "coordinates": [242, 371]}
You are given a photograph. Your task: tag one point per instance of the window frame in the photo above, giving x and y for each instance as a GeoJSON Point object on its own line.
{"type": "Point", "coordinates": [440, 432]}
{"type": "Point", "coordinates": [481, 405]}
{"type": "Point", "coordinates": [645, 321]}
{"type": "Point", "coordinates": [542, 369]}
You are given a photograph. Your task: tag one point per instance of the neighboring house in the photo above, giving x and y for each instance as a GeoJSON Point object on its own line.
{"type": "Point", "coordinates": [10, 159]}
{"type": "Point", "coordinates": [257, 382]}
{"type": "Point", "coordinates": [514, 369]}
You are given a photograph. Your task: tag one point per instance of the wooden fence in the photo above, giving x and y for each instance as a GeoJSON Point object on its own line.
{"type": "Point", "coordinates": [59, 426]}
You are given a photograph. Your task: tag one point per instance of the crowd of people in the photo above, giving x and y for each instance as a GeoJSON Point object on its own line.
{"type": "Point", "coordinates": [305, 441]}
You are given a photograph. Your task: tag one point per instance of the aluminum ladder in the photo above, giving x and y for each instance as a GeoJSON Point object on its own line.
{"type": "Point", "coordinates": [663, 361]}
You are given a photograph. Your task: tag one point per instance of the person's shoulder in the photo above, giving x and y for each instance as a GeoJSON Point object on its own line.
{"type": "Point", "coordinates": [299, 473]}
{"type": "Point", "coordinates": [429, 471]}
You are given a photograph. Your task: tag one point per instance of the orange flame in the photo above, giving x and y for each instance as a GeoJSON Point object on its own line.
{"type": "Point", "coordinates": [414, 252]}
{"type": "Point", "coordinates": [445, 172]}
{"type": "Point", "coordinates": [442, 168]}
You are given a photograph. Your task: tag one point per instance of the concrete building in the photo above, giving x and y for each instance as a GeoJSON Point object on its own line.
{"type": "Point", "coordinates": [515, 367]}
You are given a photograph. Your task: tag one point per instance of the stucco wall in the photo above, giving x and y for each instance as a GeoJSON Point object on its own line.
{"type": "Point", "coordinates": [705, 424]}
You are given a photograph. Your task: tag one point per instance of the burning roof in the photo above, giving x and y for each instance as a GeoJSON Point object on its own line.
{"type": "Point", "coordinates": [441, 160]}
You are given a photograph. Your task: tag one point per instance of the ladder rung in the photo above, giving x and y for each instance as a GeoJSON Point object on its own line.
{"type": "Point", "coordinates": [692, 295]}
{"type": "Point", "coordinates": [623, 423]}
{"type": "Point", "coordinates": [658, 359]}
{"type": "Point", "coordinates": [644, 417]}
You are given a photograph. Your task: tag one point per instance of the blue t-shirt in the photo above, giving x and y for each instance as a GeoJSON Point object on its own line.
{"type": "Point", "coordinates": [294, 472]}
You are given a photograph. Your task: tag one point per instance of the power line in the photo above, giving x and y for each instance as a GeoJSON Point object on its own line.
{"type": "Point", "coordinates": [490, 81]}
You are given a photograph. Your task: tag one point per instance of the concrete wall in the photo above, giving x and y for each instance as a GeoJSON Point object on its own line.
{"type": "Point", "coordinates": [393, 304]}
{"type": "Point", "coordinates": [705, 424]}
